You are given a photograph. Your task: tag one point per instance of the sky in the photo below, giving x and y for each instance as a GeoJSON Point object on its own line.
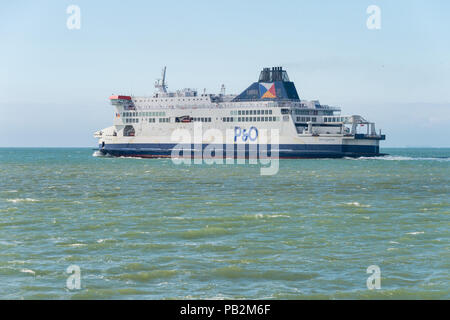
{"type": "Point", "coordinates": [55, 82]}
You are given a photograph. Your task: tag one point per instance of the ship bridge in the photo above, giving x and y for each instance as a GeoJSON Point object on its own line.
{"type": "Point", "coordinates": [273, 84]}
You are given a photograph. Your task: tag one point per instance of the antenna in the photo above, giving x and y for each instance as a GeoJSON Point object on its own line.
{"type": "Point", "coordinates": [161, 83]}
{"type": "Point", "coordinates": [222, 90]}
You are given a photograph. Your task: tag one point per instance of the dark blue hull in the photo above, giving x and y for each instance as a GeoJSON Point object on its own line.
{"type": "Point", "coordinates": [286, 151]}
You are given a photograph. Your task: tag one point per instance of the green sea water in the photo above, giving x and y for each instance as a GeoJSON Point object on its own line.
{"type": "Point", "coordinates": [150, 229]}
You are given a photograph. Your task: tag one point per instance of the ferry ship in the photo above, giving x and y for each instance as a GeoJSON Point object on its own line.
{"type": "Point", "coordinates": [144, 125]}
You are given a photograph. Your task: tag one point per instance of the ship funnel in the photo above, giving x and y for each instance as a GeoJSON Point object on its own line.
{"type": "Point", "coordinates": [273, 84]}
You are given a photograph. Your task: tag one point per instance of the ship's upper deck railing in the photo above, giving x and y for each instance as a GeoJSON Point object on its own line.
{"type": "Point", "coordinates": [231, 105]}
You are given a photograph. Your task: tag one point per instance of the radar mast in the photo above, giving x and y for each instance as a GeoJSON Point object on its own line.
{"type": "Point", "coordinates": [161, 84]}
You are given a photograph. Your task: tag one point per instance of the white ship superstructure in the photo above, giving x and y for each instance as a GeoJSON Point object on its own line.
{"type": "Point", "coordinates": [144, 125]}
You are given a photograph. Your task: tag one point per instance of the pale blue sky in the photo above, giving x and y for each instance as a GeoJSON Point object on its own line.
{"type": "Point", "coordinates": [55, 82]}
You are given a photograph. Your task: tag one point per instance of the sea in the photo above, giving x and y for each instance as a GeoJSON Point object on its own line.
{"type": "Point", "coordinates": [77, 226]}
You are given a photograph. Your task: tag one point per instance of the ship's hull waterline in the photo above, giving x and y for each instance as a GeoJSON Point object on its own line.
{"type": "Point", "coordinates": [246, 152]}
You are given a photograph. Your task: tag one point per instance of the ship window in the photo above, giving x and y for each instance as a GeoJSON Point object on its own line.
{"type": "Point", "coordinates": [239, 112]}
{"type": "Point", "coordinates": [270, 111]}
{"type": "Point", "coordinates": [246, 112]}
{"type": "Point", "coordinates": [246, 118]}
{"type": "Point", "coordinates": [258, 119]}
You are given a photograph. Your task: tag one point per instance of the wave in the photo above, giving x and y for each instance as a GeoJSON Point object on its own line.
{"type": "Point", "coordinates": [28, 271]}
{"type": "Point", "coordinates": [22, 200]}
{"type": "Point", "coordinates": [417, 232]}
{"type": "Point", "coordinates": [101, 154]}
{"type": "Point", "coordinates": [357, 204]}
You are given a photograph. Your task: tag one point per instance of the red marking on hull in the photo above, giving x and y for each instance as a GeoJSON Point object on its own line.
{"type": "Point", "coordinates": [120, 98]}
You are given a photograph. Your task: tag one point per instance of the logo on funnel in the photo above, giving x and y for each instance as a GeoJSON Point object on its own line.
{"type": "Point", "coordinates": [267, 90]}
